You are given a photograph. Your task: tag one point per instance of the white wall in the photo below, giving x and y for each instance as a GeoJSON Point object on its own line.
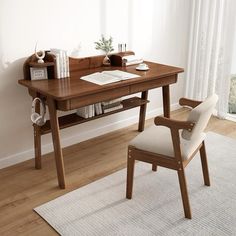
{"type": "Point", "coordinates": [155, 29]}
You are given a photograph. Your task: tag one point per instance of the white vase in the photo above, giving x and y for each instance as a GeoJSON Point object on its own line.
{"type": "Point", "coordinates": [106, 61]}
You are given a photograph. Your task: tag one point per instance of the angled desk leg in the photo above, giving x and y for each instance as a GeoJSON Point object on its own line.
{"type": "Point", "coordinates": [37, 141]}
{"type": "Point", "coordinates": [37, 146]}
{"type": "Point", "coordinates": [56, 142]}
{"type": "Point", "coordinates": [166, 100]}
{"type": "Point", "coordinates": [142, 112]}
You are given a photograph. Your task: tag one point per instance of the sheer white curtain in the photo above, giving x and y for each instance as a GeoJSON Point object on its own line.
{"type": "Point", "coordinates": [210, 50]}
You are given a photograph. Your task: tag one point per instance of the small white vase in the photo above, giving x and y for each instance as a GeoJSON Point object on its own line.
{"type": "Point", "coordinates": [106, 61]}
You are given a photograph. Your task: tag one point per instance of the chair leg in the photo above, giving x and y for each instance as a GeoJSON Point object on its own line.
{"type": "Point", "coordinates": [154, 167]}
{"type": "Point", "coordinates": [204, 164]}
{"type": "Point", "coordinates": [130, 176]}
{"type": "Point", "coordinates": [184, 194]}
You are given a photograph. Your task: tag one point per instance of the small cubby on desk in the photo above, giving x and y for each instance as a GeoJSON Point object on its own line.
{"type": "Point", "coordinates": [35, 71]}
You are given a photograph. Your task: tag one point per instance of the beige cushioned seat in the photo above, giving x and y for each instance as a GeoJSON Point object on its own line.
{"type": "Point", "coordinates": [157, 139]}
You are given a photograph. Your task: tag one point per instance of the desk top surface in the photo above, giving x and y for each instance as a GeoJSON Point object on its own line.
{"type": "Point", "coordinates": [67, 88]}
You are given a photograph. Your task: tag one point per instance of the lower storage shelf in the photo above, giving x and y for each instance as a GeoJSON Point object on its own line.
{"type": "Point", "coordinates": [73, 119]}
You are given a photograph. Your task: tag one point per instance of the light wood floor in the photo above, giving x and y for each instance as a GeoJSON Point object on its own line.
{"type": "Point", "coordinates": [23, 187]}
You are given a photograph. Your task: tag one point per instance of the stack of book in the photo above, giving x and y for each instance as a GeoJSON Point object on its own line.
{"type": "Point", "coordinates": [112, 105]}
{"type": "Point", "coordinates": [86, 112]}
{"type": "Point", "coordinates": [62, 63]}
{"type": "Point", "coordinates": [100, 108]}
{"type": "Point", "coordinates": [131, 60]}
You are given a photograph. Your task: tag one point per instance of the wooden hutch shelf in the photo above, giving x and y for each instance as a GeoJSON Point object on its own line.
{"type": "Point", "coordinates": [45, 64]}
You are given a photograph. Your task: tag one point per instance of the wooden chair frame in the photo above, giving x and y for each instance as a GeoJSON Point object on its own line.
{"type": "Point", "coordinates": [176, 162]}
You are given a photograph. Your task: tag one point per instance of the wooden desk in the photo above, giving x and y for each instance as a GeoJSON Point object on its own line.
{"type": "Point", "coordinates": [72, 93]}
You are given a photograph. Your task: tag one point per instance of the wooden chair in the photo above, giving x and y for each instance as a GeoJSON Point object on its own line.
{"type": "Point", "coordinates": [162, 145]}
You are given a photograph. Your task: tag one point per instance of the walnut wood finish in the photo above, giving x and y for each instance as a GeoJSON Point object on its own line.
{"type": "Point", "coordinates": [204, 165]}
{"type": "Point", "coordinates": [189, 102]}
{"type": "Point", "coordinates": [73, 87]}
{"type": "Point", "coordinates": [77, 64]}
{"type": "Point", "coordinates": [154, 167]}
{"type": "Point", "coordinates": [49, 63]}
{"type": "Point", "coordinates": [73, 119]}
{"type": "Point", "coordinates": [166, 100]}
{"type": "Point", "coordinates": [116, 59]}
{"type": "Point", "coordinates": [71, 93]}
{"type": "Point", "coordinates": [176, 162]}
{"type": "Point", "coordinates": [56, 143]}
{"type": "Point", "coordinates": [142, 112]}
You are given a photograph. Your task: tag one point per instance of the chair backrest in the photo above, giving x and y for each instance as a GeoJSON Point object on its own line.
{"type": "Point", "coordinates": [200, 115]}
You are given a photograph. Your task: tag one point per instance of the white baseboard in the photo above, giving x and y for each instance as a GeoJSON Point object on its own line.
{"type": "Point", "coordinates": [29, 154]}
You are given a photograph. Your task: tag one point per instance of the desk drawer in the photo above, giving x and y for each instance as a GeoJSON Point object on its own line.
{"type": "Point", "coordinates": [75, 103]}
{"type": "Point", "coordinates": [151, 84]}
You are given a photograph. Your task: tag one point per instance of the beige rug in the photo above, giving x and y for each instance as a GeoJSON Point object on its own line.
{"type": "Point", "coordinates": [101, 208]}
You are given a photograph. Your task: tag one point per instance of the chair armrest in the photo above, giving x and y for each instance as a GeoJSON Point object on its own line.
{"type": "Point", "coordinates": [189, 102]}
{"type": "Point", "coordinates": [174, 124]}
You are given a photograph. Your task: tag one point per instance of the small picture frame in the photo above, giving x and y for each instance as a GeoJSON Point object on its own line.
{"type": "Point", "coordinates": [38, 73]}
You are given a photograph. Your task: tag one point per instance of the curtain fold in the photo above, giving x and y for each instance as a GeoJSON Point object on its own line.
{"type": "Point", "coordinates": [210, 51]}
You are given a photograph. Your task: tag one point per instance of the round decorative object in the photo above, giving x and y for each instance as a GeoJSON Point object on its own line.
{"type": "Point", "coordinates": [40, 55]}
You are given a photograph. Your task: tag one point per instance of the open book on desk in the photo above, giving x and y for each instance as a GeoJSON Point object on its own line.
{"type": "Point", "coordinates": [107, 77]}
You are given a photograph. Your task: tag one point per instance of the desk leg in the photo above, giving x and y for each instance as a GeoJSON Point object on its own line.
{"type": "Point", "coordinates": [37, 141]}
{"type": "Point", "coordinates": [166, 100]}
{"type": "Point", "coordinates": [56, 143]}
{"type": "Point", "coordinates": [142, 112]}
{"type": "Point", "coordinates": [37, 147]}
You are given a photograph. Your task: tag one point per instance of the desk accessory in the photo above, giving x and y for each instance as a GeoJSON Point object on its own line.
{"type": "Point", "coordinates": [38, 73]}
{"type": "Point", "coordinates": [38, 119]}
{"type": "Point", "coordinates": [131, 60]}
{"type": "Point", "coordinates": [117, 58]}
{"type": "Point", "coordinates": [40, 55]}
{"type": "Point", "coordinates": [106, 46]}
{"type": "Point", "coordinates": [142, 67]}
{"type": "Point", "coordinates": [122, 47]}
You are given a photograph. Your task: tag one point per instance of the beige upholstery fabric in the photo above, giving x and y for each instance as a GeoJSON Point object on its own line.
{"type": "Point", "coordinates": [157, 139]}
{"type": "Point", "coordinates": [200, 115]}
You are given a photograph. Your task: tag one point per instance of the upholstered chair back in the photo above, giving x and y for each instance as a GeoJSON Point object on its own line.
{"type": "Point", "coordinates": [200, 115]}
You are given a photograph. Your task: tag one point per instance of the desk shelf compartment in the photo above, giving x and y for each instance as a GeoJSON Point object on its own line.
{"type": "Point", "coordinates": [32, 62]}
{"type": "Point", "coordinates": [74, 119]}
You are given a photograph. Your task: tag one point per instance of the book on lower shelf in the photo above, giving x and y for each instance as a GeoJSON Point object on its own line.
{"type": "Point", "coordinates": [83, 112]}
{"type": "Point", "coordinates": [113, 108]}
{"type": "Point", "coordinates": [112, 105]}
{"type": "Point", "coordinates": [100, 108]}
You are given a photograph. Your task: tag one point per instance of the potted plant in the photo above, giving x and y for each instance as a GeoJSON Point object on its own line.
{"type": "Point", "coordinates": [106, 46]}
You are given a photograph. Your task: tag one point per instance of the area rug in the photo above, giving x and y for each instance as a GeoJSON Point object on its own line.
{"type": "Point", "coordinates": [101, 208]}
